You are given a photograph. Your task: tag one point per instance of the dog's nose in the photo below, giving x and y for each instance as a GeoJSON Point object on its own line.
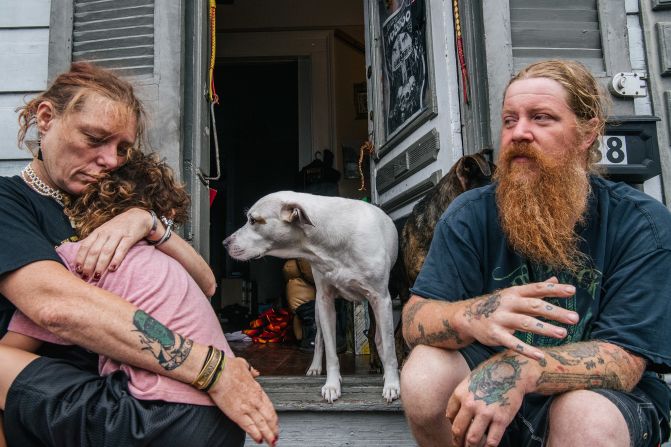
{"type": "Point", "coordinates": [227, 242]}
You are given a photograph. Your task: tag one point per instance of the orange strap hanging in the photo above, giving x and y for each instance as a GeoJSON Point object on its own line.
{"type": "Point", "coordinates": [212, 92]}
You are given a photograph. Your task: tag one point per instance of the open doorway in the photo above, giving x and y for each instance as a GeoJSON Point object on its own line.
{"type": "Point", "coordinates": [258, 139]}
{"type": "Point", "coordinates": [290, 76]}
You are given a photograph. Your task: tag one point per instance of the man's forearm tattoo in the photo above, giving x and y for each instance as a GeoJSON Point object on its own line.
{"type": "Point", "coordinates": [411, 311]}
{"type": "Point", "coordinates": [483, 307]}
{"type": "Point", "coordinates": [447, 334]}
{"type": "Point", "coordinates": [574, 354]}
{"type": "Point", "coordinates": [491, 381]}
{"type": "Point", "coordinates": [161, 342]}
{"type": "Point", "coordinates": [551, 383]}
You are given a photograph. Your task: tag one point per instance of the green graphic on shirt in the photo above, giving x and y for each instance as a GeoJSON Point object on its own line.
{"type": "Point", "coordinates": [587, 283]}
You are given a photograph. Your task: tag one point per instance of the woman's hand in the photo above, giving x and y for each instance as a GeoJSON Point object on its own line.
{"type": "Point", "coordinates": [106, 247]}
{"type": "Point", "coordinates": [242, 399]}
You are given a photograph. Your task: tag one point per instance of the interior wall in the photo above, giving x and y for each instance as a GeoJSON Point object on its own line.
{"type": "Point", "coordinates": [346, 15]}
{"type": "Point", "coordinates": [347, 61]}
{"type": "Point", "coordinates": [351, 130]}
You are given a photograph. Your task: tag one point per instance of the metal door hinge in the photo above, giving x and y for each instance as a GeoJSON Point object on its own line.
{"type": "Point", "coordinates": [629, 85]}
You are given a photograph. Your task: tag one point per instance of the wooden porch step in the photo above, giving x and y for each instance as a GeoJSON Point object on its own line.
{"type": "Point", "coordinates": [302, 393]}
{"type": "Point", "coordinates": [360, 418]}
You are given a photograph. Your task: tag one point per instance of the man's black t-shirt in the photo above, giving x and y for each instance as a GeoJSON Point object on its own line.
{"type": "Point", "coordinates": [622, 297]}
{"type": "Point", "coordinates": [31, 227]}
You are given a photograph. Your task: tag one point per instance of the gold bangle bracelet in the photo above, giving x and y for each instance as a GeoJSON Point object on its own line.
{"type": "Point", "coordinates": [217, 374]}
{"type": "Point", "coordinates": [208, 372]}
{"type": "Point", "coordinates": [208, 358]}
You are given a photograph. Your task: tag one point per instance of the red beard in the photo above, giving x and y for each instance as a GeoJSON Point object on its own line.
{"type": "Point", "coordinates": [540, 203]}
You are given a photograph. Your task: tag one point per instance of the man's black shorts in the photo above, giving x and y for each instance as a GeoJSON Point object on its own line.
{"type": "Point", "coordinates": [53, 403]}
{"type": "Point", "coordinates": [530, 426]}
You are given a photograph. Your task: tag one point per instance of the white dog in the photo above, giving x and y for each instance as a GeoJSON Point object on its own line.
{"type": "Point", "coordinates": [351, 246]}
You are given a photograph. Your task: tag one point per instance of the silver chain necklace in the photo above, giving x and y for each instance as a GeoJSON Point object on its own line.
{"type": "Point", "coordinates": [36, 183]}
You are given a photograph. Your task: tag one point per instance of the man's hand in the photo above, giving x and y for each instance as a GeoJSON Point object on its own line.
{"type": "Point", "coordinates": [108, 244]}
{"type": "Point", "coordinates": [494, 318]}
{"type": "Point", "coordinates": [243, 400]}
{"type": "Point", "coordinates": [485, 402]}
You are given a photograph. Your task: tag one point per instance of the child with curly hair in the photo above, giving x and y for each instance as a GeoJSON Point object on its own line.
{"type": "Point", "coordinates": [159, 409]}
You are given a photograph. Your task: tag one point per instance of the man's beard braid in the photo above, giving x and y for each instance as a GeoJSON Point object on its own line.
{"type": "Point", "coordinates": [539, 210]}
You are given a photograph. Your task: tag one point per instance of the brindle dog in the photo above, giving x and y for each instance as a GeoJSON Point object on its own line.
{"type": "Point", "coordinates": [470, 171]}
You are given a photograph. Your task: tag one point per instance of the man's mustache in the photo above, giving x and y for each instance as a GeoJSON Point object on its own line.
{"type": "Point", "coordinates": [528, 150]}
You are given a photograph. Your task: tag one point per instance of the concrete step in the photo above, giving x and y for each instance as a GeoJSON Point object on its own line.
{"type": "Point", "coordinates": [361, 417]}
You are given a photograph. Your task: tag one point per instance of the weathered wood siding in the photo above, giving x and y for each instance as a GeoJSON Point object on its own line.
{"type": "Point", "coordinates": [24, 42]}
{"type": "Point", "coordinates": [117, 34]}
{"type": "Point", "coordinates": [567, 29]}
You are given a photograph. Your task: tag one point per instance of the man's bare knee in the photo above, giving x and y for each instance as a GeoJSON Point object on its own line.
{"type": "Point", "coordinates": [428, 378]}
{"type": "Point", "coordinates": [586, 418]}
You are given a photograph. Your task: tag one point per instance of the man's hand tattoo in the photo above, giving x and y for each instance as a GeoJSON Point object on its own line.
{"type": "Point", "coordinates": [483, 307]}
{"type": "Point", "coordinates": [491, 381]}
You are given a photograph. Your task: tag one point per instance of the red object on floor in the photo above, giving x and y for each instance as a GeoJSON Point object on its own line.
{"type": "Point", "coordinates": [272, 326]}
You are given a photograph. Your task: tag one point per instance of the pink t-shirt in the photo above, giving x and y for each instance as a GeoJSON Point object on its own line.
{"type": "Point", "coordinates": [160, 286]}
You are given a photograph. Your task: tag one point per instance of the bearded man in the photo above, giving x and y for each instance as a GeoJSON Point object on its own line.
{"type": "Point", "coordinates": [541, 314]}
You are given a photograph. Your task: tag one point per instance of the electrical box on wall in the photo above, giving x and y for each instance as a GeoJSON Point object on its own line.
{"type": "Point", "coordinates": [629, 149]}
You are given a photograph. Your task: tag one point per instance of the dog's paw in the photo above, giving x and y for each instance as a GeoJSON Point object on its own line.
{"type": "Point", "coordinates": [331, 391]}
{"type": "Point", "coordinates": [392, 388]}
{"type": "Point", "coordinates": [314, 371]}
{"type": "Point", "coordinates": [391, 393]}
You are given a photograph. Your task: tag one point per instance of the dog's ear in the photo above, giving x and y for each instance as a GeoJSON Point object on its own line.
{"type": "Point", "coordinates": [293, 212]}
{"type": "Point", "coordinates": [473, 171]}
{"type": "Point", "coordinates": [483, 164]}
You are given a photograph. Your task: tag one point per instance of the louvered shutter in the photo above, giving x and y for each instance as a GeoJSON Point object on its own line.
{"type": "Point", "coordinates": [567, 29]}
{"type": "Point", "coordinates": [116, 34]}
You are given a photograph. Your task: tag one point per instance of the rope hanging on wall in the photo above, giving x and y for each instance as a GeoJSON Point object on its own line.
{"type": "Point", "coordinates": [212, 96]}
{"type": "Point", "coordinates": [366, 149]}
{"type": "Point", "coordinates": [465, 83]}
{"type": "Point", "coordinates": [212, 92]}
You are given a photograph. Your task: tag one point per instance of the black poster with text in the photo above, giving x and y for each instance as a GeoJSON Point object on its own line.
{"type": "Point", "coordinates": [404, 53]}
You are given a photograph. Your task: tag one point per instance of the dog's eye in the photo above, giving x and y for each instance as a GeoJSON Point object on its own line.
{"type": "Point", "coordinates": [252, 221]}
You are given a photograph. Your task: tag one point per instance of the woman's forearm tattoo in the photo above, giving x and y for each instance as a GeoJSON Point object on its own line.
{"type": "Point", "coordinates": [161, 342]}
{"type": "Point", "coordinates": [491, 381]}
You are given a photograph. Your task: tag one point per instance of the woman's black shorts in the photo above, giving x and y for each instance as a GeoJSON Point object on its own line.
{"type": "Point", "coordinates": [53, 403]}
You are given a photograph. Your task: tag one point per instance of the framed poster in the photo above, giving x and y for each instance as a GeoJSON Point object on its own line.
{"type": "Point", "coordinates": [360, 101]}
{"type": "Point", "coordinates": [407, 87]}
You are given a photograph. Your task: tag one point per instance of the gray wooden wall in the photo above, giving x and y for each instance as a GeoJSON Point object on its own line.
{"type": "Point", "coordinates": [24, 43]}
{"type": "Point", "coordinates": [656, 17]}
